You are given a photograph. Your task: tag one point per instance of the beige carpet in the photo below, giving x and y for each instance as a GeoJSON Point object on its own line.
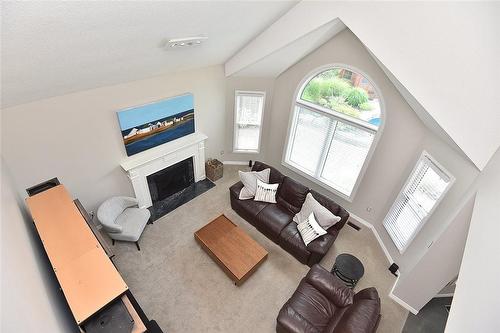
{"type": "Point", "coordinates": [178, 284]}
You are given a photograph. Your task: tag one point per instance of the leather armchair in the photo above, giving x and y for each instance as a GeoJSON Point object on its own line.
{"type": "Point", "coordinates": [122, 219]}
{"type": "Point", "coordinates": [323, 304]}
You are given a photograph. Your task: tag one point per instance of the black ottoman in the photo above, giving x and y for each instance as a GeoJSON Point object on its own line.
{"type": "Point", "coordinates": [349, 269]}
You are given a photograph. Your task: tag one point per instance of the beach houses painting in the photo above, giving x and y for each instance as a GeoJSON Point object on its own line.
{"type": "Point", "coordinates": [153, 124]}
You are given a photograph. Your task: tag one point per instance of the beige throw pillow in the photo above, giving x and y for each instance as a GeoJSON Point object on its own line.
{"type": "Point", "coordinates": [324, 217]}
{"type": "Point", "coordinates": [249, 180]}
{"type": "Point", "coordinates": [310, 229]}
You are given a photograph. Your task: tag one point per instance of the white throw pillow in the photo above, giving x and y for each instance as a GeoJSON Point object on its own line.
{"type": "Point", "coordinates": [324, 217]}
{"type": "Point", "coordinates": [249, 180]}
{"type": "Point", "coordinates": [266, 192]}
{"type": "Point", "coordinates": [310, 229]}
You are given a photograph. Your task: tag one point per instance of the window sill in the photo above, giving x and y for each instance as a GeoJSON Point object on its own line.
{"type": "Point", "coordinates": [238, 151]}
{"type": "Point", "coordinates": [318, 182]}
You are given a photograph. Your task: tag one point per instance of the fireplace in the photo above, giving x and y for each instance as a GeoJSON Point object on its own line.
{"type": "Point", "coordinates": [173, 179]}
{"type": "Point", "coordinates": [173, 186]}
{"type": "Point", "coordinates": [154, 174]}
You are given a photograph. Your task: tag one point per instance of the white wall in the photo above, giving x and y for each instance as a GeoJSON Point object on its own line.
{"type": "Point", "coordinates": [476, 302]}
{"type": "Point", "coordinates": [251, 84]}
{"type": "Point", "coordinates": [403, 139]}
{"type": "Point", "coordinates": [421, 43]}
{"type": "Point", "coordinates": [440, 263]}
{"type": "Point", "coordinates": [77, 138]}
{"type": "Point", "coordinates": [30, 299]}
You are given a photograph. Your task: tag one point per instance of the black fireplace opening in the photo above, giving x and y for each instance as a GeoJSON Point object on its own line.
{"type": "Point", "coordinates": [174, 186]}
{"type": "Point", "coordinates": [171, 180]}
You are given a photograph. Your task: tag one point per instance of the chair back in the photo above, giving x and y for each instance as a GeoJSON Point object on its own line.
{"type": "Point", "coordinates": [109, 210]}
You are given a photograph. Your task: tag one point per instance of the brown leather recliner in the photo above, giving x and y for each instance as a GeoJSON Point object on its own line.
{"type": "Point", "coordinates": [275, 220]}
{"type": "Point", "coordinates": [323, 304]}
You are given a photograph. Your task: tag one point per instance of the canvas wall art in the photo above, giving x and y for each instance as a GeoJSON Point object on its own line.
{"type": "Point", "coordinates": [153, 124]}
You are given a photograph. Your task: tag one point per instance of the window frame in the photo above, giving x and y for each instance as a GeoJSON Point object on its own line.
{"type": "Point", "coordinates": [235, 124]}
{"type": "Point", "coordinates": [441, 169]}
{"type": "Point", "coordinates": [297, 101]}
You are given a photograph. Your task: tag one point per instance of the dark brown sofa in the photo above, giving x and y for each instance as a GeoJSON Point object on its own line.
{"type": "Point", "coordinates": [275, 220]}
{"type": "Point", "coordinates": [323, 304]}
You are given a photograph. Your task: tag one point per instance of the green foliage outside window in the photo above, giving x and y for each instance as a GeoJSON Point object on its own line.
{"type": "Point", "coordinates": [356, 96]}
{"type": "Point", "coordinates": [330, 91]}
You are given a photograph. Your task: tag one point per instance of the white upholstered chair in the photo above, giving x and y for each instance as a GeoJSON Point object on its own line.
{"type": "Point", "coordinates": [122, 219]}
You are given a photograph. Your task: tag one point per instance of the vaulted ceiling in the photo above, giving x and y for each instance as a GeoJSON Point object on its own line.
{"type": "Point", "coordinates": [442, 57]}
{"type": "Point", "coordinates": [54, 48]}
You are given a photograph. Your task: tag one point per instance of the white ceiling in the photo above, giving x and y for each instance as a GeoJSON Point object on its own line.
{"type": "Point", "coordinates": [282, 59]}
{"type": "Point", "coordinates": [54, 48]}
{"type": "Point", "coordinates": [443, 57]}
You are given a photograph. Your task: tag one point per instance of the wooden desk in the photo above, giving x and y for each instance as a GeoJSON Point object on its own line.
{"type": "Point", "coordinates": [86, 275]}
{"type": "Point", "coordinates": [236, 252]}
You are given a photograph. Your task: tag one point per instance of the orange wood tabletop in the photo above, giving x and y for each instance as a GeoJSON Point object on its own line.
{"type": "Point", "coordinates": [87, 277]}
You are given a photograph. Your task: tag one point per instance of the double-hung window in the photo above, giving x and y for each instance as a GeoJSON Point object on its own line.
{"type": "Point", "coordinates": [420, 196]}
{"type": "Point", "coordinates": [336, 118]}
{"type": "Point", "coordinates": [248, 113]}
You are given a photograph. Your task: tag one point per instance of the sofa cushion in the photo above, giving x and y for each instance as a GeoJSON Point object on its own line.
{"type": "Point", "coordinates": [133, 221]}
{"type": "Point", "coordinates": [361, 317]}
{"type": "Point", "coordinates": [310, 305]}
{"type": "Point", "coordinates": [274, 177]}
{"type": "Point", "coordinates": [271, 220]}
{"type": "Point", "coordinates": [292, 195]}
{"type": "Point", "coordinates": [330, 286]}
{"type": "Point", "coordinates": [289, 320]}
{"type": "Point", "coordinates": [291, 241]}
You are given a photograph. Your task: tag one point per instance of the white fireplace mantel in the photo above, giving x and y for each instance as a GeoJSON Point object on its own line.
{"type": "Point", "coordinates": [145, 163]}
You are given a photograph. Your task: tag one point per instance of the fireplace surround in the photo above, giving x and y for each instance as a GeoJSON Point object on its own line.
{"type": "Point", "coordinates": [171, 180]}
{"type": "Point", "coordinates": [138, 167]}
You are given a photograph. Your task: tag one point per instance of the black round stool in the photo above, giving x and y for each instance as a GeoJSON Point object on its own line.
{"type": "Point", "coordinates": [349, 269]}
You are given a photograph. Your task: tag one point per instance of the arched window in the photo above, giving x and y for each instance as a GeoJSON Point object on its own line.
{"type": "Point", "coordinates": [336, 117]}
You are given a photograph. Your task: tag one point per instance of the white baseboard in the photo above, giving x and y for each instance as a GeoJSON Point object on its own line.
{"type": "Point", "coordinates": [235, 162]}
{"type": "Point", "coordinates": [444, 295]}
{"type": "Point", "coordinates": [375, 232]}
{"type": "Point", "coordinates": [403, 303]}
{"type": "Point", "coordinates": [389, 259]}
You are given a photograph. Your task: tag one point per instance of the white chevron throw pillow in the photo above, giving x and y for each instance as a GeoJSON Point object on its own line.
{"type": "Point", "coordinates": [310, 229]}
{"type": "Point", "coordinates": [266, 192]}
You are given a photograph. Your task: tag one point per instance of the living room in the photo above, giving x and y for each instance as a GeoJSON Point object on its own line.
{"type": "Point", "coordinates": [359, 111]}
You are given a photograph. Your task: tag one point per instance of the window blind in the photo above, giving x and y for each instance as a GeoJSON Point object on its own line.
{"type": "Point", "coordinates": [416, 201]}
{"type": "Point", "coordinates": [328, 148]}
{"type": "Point", "coordinates": [249, 107]}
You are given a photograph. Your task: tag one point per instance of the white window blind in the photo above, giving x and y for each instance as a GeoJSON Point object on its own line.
{"type": "Point", "coordinates": [249, 107]}
{"type": "Point", "coordinates": [328, 148]}
{"type": "Point", "coordinates": [334, 126]}
{"type": "Point", "coordinates": [417, 200]}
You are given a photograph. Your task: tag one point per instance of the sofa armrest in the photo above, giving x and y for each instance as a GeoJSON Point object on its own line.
{"type": "Point", "coordinates": [367, 293]}
{"type": "Point", "coordinates": [290, 321]}
{"type": "Point", "coordinates": [330, 286]}
{"type": "Point", "coordinates": [235, 189]}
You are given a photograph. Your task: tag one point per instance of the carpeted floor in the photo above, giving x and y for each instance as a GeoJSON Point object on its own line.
{"type": "Point", "coordinates": [179, 286]}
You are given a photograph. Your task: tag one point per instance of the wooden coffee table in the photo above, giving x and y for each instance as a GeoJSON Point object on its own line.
{"type": "Point", "coordinates": [230, 247]}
